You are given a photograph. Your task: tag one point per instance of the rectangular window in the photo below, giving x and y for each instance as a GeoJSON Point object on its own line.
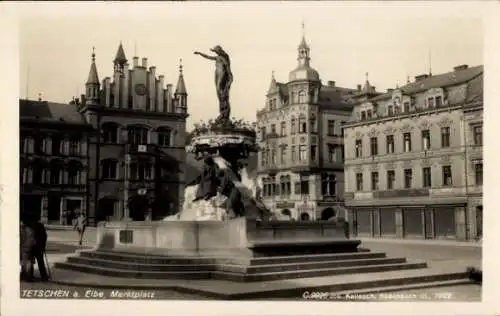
{"type": "Point", "coordinates": [331, 153]}
{"type": "Point", "coordinates": [262, 159]}
{"type": "Point", "coordinates": [478, 135]}
{"type": "Point", "coordinates": [430, 102]}
{"type": "Point", "coordinates": [479, 173]}
{"type": "Point", "coordinates": [303, 153]}
{"type": "Point", "coordinates": [293, 154]}
{"type": "Point", "coordinates": [369, 114]}
{"type": "Point", "coordinates": [445, 137]}
{"type": "Point", "coordinates": [406, 107]}
{"type": "Point", "coordinates": [439, 101]}
{"type": "Point", "coordinates": [359, 148]}
{"type": "Point", "coordinates": [263, 133]}
{"type": "Point", "coordinates": [363, 115]}
{"type": "Point", "coordinates": [391, 179]}
{"type": "Point", "coordinates": [426, 177]}
{"type": "Point", "coordinates": [313, 152]}
{"type": "Point", "coordinates": [407, 142]}
{"type": "Point", "coordinates": [390, 110]}
{"type": "Point", "coordinates": [447, 177]}
{"type": "Point", "coordinates": [426, 140]}
{"type": "Point", "coordinates": [283, 129]}
{"type": "Point", "coordinates": [273, 128]}
{"type": "Point", "coordinates": [373, 146]}
{"type": "Point", "coordinates": [408, 174]}
{"type": "Point", "coordinates": [304, 187]}
{"type": "Point", "coordinates": [331, 127]}
{"type": "Point", "coordinates": [374, 181]}
{"type": "Point", "coordinates": [390, 144]}
{"type": "Point", "coordinates": [359, 181]}
{"type": "Point", "coordinates": [342, 128]}
{"type": "Point", "coordinates": [74, 147]}
{"type": "Point", "coordinates": [283, 155]}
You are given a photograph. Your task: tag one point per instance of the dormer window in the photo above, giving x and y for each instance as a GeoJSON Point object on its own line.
{"type": "Point", "coordinates": [363, 115]}
{"type": "Point", "coordinates": [439, 101]}
{"type": "Point", "coordinates": [406, 107]}
{"type": "Point", "coordinates": [430, 102]}
{"type": "Point", "coordinates": [390, 110]}
{"type": "Point", "coordinates": [369, 114]}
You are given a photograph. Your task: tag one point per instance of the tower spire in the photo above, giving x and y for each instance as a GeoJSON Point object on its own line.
{"type": "Point", "coordinates": [93, 77]}
{"type": "Point", "coordinates": [303, 50]}
{"type": "Point", "coordinates": [181, 85]}
{"type": "Point", "coordinates": [430, 62]}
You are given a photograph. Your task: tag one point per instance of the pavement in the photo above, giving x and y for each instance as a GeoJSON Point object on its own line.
{"type": "Point", "coordinates": [442, 257]}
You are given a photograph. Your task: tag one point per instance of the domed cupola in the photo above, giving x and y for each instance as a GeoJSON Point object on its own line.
{"type": "Point", "coordinates": [303, 71]}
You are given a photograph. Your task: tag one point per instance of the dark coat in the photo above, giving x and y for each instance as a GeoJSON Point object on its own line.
{"type": "Point", "coordinates": [208, 182]}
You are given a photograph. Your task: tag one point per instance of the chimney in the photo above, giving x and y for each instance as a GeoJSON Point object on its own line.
{"type": "Point", "coordinates": [373, 89]}
{"type": "Point", "coordinates": [359, 87]}
{"type": "Point", "coordinates": [421, 77]}
{"type": "Point", "coordinates": [162, 81]}
{"type": "Point", "coordinates": [39, 97]}
{"type": "Point", "coordinates": [331, 83]}
{"type": "Point", "coordinates": [152, 70]}
{"type": "Point", "coordinates": [136, 61]}
{"type": "Point", "coordinates": [145, 62]}
{"type": "Point", "coordinates": [460, 67]}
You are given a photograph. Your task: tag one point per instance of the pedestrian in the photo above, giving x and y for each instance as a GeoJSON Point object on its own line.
{"type": "Point", "coordinates": [234, 201]}
{"type": "Point", "coordinates": [33, 246]}
{"type": "Point", "coordinates": [80, 224]}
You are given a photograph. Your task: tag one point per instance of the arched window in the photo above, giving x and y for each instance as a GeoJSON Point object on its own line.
{"type": "Point", "coordinates": [314, 127]}
{"type": "Point", "coordinates": [56, 168]}
{"type": "Point", "coordinates": [293, 125]}
{"type": "Point", "coordinates": [110, 133]}
{"type": "Point", "coordinates": [137, 135]}
{"type": "Point", "coordinates": [302, 124]}
{"type": "Point", "coordinates": [109, 169]}
{"type": "Point", "coordinates": [302, 96]}
{"type": "Point", "coordinates": [304, 217]}
{"type": "Point", "coordinates": [164, 136]}
{"type": "Point", "coordinates": [74, 172]}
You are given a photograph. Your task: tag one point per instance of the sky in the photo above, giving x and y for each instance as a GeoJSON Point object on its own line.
{"type": "Point", "coordinates": [347, 39]}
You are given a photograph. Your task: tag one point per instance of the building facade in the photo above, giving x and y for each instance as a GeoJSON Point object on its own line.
{"type": "Point", "coordinates": [54, 160]}
{"type": "Point", "coordinates": [300, 162]}
{"type": "Point", "coordinates": [413, 159]}
{"type": "Point", "coordinates": [137, 148]}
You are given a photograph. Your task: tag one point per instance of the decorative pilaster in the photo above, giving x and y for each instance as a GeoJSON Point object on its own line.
{"type": "Point", "coordinates": [44, 212]}
{"type": "Point", "coordinates": [399, 223]}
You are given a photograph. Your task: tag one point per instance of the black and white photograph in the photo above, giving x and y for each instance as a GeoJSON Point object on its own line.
{"type": "Point", "coordinates": [266, 152]}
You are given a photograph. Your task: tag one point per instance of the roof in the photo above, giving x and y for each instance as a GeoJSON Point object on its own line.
{"type": "Point", "coordinates": [335, 97]}
{"type": "Point", "coordinates": [447, 79]}
{"type": "Point", "coordinates": [181, 85]}
{"type": "Point", "coordinates": [93, 76]}
{"type": "Point", "coordinates": [120, 55]}
{"type": "Point", "coordinates": [50, 111]}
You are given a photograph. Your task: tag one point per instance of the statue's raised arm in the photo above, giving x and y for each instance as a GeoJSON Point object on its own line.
{"type": "Point", "coordinates": [205, 55]}
{"type": "Point", "coordinates": [223, 81]}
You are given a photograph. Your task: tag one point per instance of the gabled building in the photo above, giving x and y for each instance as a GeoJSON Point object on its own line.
{"type": "Point", "coordinates": [134, 156]}
{"type": "Point", "coordinates": [413, 159]}
{"type": "Point", "coordinates": [300, 163]}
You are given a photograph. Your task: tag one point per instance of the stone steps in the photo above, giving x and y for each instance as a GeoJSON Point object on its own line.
{"type": "Point", "coordinates": [311, 273]}
{"type": "Point", "coordinates": [236, 268]}
{"type": "Point", "coordinates": [111, 268]}
{"type": "Point", "coordinates": [156, 259]}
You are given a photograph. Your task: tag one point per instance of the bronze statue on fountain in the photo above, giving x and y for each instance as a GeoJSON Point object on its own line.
{"type": "Point", "coordinates": [228, 138]}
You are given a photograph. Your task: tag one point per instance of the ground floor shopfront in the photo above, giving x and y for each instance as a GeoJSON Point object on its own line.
{"type": "Point", "coordinates": [53, 207]}
{"type": "Point", "coordinates": [436, 221]}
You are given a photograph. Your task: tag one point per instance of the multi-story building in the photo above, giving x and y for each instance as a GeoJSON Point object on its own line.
{"type": "Point", "coordinates": [413, 159]}
{"type": "Point", "coordinates": [54, 160]}
{"type": "Point", "coordinates": [300, 163]}
{"type": "Point", "coordinates": [136, 153]}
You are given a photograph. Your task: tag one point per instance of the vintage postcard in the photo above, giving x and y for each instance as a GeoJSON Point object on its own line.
{"type": "Point", "coordinates": [305, 155]}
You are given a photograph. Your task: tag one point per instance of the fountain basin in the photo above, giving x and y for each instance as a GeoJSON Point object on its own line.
{"type": "Point", "coordinates": [235, 237]}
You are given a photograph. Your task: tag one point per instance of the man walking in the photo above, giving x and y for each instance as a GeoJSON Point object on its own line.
{"type": "Point", "coordinates": [80, 224]}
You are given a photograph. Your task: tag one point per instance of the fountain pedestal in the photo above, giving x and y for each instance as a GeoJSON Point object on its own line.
{"type": "Point", "coordinates": [240, 237]}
